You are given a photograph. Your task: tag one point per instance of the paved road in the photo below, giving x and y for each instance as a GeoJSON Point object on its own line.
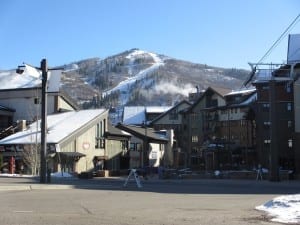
{"type": "Point", "coordinates": [159, 202]}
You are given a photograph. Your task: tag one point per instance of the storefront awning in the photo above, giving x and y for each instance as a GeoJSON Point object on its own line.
{"type": "Point", "coordinates": [71, 154]}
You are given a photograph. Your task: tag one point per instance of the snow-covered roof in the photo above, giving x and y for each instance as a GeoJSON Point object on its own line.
{"type": "Point", "coordinates": [265, 75]}
{"type": "Point", "coordinates": [241, 91]}
{"type": "Point", "coordinates": [59, 125]}
{"type": "Point", "coordinates": [249, 100]}
{"type": "Point", "coordinates": [136, 114]}
{"type": "Point", "coordinates": [157, 109]}
{"type": "Point", "coordinates": [29, 78]}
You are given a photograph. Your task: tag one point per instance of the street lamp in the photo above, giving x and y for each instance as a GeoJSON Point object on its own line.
{"type": "Point", "coordinates": [43, 167]}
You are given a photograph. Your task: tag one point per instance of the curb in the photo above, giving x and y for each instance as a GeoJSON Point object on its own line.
{"type": "Point", "coordinates": [34, 187]}
{"type": "Point", "coordinates": [15, 188]}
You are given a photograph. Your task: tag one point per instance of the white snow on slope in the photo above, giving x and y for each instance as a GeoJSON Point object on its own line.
{"type": "Point", "coordinates": [283, 209]}
{"type": "Point", "coordinates": [126, 84]}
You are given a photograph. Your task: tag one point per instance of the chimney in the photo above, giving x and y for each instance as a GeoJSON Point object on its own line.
{"type": "Point", "coordinates": [21, 125]}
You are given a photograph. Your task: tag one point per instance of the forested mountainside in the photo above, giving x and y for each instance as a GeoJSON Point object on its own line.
{"type": "Point", "coordinates": [137, 77]}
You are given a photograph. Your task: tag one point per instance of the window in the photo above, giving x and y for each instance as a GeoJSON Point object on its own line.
{"type": "Point", "coordinates": [265, 87]}
{"type": "Point", "coordinates": [265, 107]}
{"type": "Point", "coordinates": [290, 143]}
{"type": "Point", "coordinates": [195, 138]}
{"type": "Point", "coordinates": [194, 116]}
{"type": "Point", "coordinates": [288, 88]}
{"type": "Point", "coordinates": [267, 123]}
{"type": "Point", "coordinates": [37, 101]}
{"type": "Point", "coordinates": [133, 147]}
{"type": "Point", "coordinates": [243, 123]}
{"type": "Point", "coordinates": [99, 135]}
{"type": "Point", "coordinates": [289, 106]}
{"type": "Point", "coordinates": [289, 123]}
{"type": "Point", "coordinates": [267, 141]}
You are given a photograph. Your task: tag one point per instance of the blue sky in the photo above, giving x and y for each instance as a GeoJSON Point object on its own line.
{"type": "Point", "coordinates": [221, 33]}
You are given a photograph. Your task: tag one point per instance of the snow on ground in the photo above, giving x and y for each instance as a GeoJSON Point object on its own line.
{"type": "Point", "coordinates": [57, 174]}
{"type": "Point", "coordinates": [283, 209]}
{"type": "Point", "coordinates": [14, 175]}
{"type": "Point", "coordinates": [61, 174]}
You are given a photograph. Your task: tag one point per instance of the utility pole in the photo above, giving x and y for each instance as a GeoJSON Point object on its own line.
{"type": "Point", "coordinates": [145, 147]}
{"type": "Point", "coordinates": [43, 170]}
{"type": "Point", "coordinates": [274, 168]}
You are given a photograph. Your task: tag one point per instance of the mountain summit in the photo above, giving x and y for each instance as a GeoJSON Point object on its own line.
{"type": "Point", "coordinates": [138, 77]}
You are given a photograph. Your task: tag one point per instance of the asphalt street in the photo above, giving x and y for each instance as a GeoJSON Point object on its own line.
{"type": "Point", "coordinates": [163, 202]}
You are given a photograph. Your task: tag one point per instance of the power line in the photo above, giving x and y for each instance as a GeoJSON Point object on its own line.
{"type": "Point", "coordinates": [280, 38]}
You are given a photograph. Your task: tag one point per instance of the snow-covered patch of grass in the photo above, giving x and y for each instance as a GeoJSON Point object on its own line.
{"type": "Point", "coordinates": [15, 175]}
{"type": "Point", "coordinates": [61, 174]}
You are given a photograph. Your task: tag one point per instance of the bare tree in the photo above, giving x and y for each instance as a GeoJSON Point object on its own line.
{"type": "Point", "coordinates": [31, 157]}
{"type": "Point", "coordinates": [31, 152]}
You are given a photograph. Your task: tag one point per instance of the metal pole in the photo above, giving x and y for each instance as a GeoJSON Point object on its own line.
{"type": "Point", "coordinates": [43, 169]}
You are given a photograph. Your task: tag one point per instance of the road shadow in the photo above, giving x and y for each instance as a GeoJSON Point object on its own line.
{"type": "Point", "coordinates": [170, 186]}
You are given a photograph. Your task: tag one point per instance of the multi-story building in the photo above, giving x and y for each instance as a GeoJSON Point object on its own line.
{"type": "Point", "coordinates": [275, 119]}
{"type": "Point", "coordinates": [229, 132]}
{"type": "Point", "coordinates": [295, 72]}
{"type": "Point", "coordinates": [193, 123]}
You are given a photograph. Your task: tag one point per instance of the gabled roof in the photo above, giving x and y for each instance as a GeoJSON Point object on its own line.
{"type": "Point", "coordinates": [143, 133]}
{"type": "Point", "coordinates": [60, 126]}
{"type": "Point", "coordinates": [69, 100]}
{"type": "Point", "coordinates": [167, 112]}
{"type": "Point", "coordinates": [246, 103]}
{"type": "Point", "coordinates": [115, 132]}
{"type": "Point", "coordinates": [219, 91]}
{"type": "Point", "coordinates": [245, 91]}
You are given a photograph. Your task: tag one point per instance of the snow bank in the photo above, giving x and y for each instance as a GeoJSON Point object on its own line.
{"type": "Point", "coordinates": [283, 209]}
{"type": "Point", "coordinates": [61, 174]}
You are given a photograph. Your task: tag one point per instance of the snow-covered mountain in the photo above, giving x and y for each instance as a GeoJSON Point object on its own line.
{"type": "Point", "coordinates": [138, 77]}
